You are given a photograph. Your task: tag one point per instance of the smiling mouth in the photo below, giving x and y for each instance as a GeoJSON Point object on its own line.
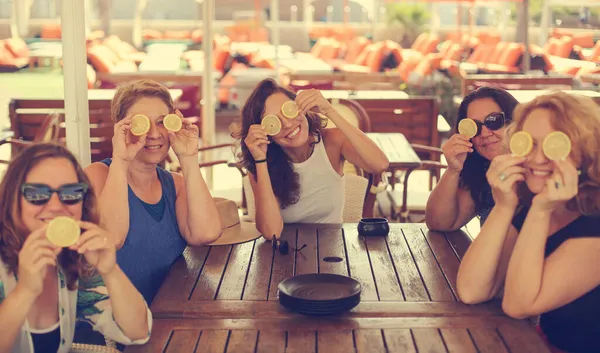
{"type": "Point", "coordinates": [293, 133]}
{"type": "Point", "coordinates": [153, 148]}
{"type": "Point", "coordinates": [540, 173]}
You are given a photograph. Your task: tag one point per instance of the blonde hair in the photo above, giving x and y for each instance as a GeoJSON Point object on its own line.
{"type": "Point", "coordinates": [578, 117]}
{"type": "Point", "coordinates": [128, 94]}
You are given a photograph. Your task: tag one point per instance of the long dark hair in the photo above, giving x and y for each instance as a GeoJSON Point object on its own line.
{"type": "Point", "coordinates": [12, 232]}
{"type": "Point", "coordinates": [472, 176]}
{"type": "Point", "coordinates": [284, 180]}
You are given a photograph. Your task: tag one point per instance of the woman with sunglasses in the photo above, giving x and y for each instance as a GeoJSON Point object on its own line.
{"type": "Point", "coordinates": [463, 191]}
{"type": "Point", "coordinates": [153, 214]}
{"type": "Point", "coordinates": [296, 174]}
{"type": "Point", "coordinates": [44, 288]}
{"type": "Point", "coordinates": [541, 242]}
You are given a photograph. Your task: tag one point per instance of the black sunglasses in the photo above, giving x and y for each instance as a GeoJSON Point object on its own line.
{"type": "Point", "coordinates": [494, 121]}
{"type": "Point", "coordinates": [40, 194]}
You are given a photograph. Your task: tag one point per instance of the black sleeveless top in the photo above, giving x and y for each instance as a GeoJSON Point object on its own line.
{"type": "Point", "coordinates": [46, 342]}
{"type": "Point", "coordinates": [574, 327]}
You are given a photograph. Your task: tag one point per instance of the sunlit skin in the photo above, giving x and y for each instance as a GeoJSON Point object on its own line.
{"type": "Point", "coordinates": [294, 132]}
{"type": "Point", "coordinates": [157, 139]}
{"type": "Point", "coordinates": [53, 172]}
{"type": "Point", "coordinates": [538, 168]}
{"type": "Point", "coordinates": [488, 143]}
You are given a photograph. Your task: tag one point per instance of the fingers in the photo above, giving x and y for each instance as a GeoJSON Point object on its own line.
{"type": "Point", "coordinates": [87, 225]}
{"type": "Point", "coordinates": [92, 240]}
{"type": "Point", "coordinates": [506, 186]}
{"type": "Point", "coordinates": [42, 262]}
{"type": "Point", "coordinates": [502, 162]}
{"type": "Point", "coordinates": [460, 140]}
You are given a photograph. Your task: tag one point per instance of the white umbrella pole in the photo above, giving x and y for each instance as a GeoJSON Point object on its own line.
{"type": "Point", "coordinates": [275, 32]}
{"type": "Point", "coordinates": [207, 102]}
{"type": "Point", "coordinates": [75, 82]}
{"type": "Point", "coordinates": [545, 23]}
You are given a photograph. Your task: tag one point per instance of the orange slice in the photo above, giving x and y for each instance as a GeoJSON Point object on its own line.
{"type": "Point", "coordinates": [521, 144]}
{"type": "Point", "coordinates": [172, 122]}
{"type": "Point", "coordinates": [556, 146]}
{"type": "Point", "coordinates": [467, 127]}
{"type": "Point", "coordinates": [63, 231]}
{"type": "Point", "coordinates": [271, 124]}
{"type": "Point", "coordinates": [289, 109]}
{"type": "Point", "coordinates": [140, 124]}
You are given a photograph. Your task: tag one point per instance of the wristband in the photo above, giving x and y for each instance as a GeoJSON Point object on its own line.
{"type": "Point", "coordinates": [260, 161]}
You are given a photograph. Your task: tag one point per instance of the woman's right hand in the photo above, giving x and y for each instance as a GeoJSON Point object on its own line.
{"type": "Point", "coordinates": [122, 148]}
{"type": "Point", "coordinates": [456, 150]}
{"type": "Point", "coordinates": [35, 256]}
{"type": "Point", "coordinates": [505, 172]}
{"type": "Point", "coordinates": [257, 141]}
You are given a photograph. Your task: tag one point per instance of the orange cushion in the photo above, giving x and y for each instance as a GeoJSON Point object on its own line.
{"type": "Point", "coordinates": [511, 55]}
{"type": "Point", "coordinates": [374, 57]}
{"type": "Point", "coordinates": [419, 41]}
{"type": "Point", "coordinates": [584, 40]}
{"type": "Point", "coordinates": [17, 47]}
{"type": "Point", "coordinates": [102, 58]}
{"type": "Point", "coordinates": [355, 48]}
{"type": "Point", "coordinates": [564, 47]}
{"type": "Point", "coordinates": [52, 31]}
{"type": "Point", "coordinates": [151, 34]}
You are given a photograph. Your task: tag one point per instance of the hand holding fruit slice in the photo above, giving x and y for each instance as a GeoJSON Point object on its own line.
{"type": "Point", "coordinates": [468, 128]}
{"type": "Point", "coordinates": [289, 109]}
{"type": "Point", "coordinates": [172, 122]}
{"type": "Point", "coordinates": [556, 146]}
{"type": "Point", "coordinates": [521, 144]}
{"type": "Point", "coordinates": [271, 124]}
{"type": "Point", "coordinates": [63, 231]}
{"type": "Point", "coordinates": [140, 124]}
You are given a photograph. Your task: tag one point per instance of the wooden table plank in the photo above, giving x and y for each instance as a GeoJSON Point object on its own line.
{"type": "Point", "coordinates": [332, 249]}
{"type": "Point", "coordinates": [445, 256]}
{"type": "Point", "coordinates": [301, 342]}
{"type": "Point", "coordinates": [259, 275]}
{"type": "Point", "coordinates": [397, 149]}
{"type": "Point", "coordinates": [488, 340]}
{"type": "Point", "coordinates": [369, 341]}
{"type": "Point", "coordinates": [283, 265]}
{"type": "Point", "coordinates": [435, 282]}
{"type": "Point", "coordinates": [335, 341]}
{"type": "Point", "coordinates": [271, 342]}
{"type": "Point", "coordinates": [212, 272]}
{"type": "Point", "coordinates": [383, 270]}
{"type": "Point", "coordinates": [458, 340]}
{"type": "Point", "coordinates": [235, 275]}
{"type": "Point", "coordinates": [410, 278]}
{"type": "Point", "coordinates": [399, 341]}
{"type": "Point", "coordinates": [306, 259]}
{"type": "Point", "coordinates": [183, 341]}
{"type": "Point", "coordinates": [428, 340]}
{"type": "Point", "coordinates": [213, 341]}
{"type": "Point", "coordinates": [359, 264]}
{"type": "Point", "coordinates": [459, 241]}
{"type": "Point", "coordinates": [521, 337]}
{"type": "Point", "coordinates": [243, 341]}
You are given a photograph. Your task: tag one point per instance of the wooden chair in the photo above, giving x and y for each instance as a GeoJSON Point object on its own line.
{"type": "Point", "coordinates": [47, 132]}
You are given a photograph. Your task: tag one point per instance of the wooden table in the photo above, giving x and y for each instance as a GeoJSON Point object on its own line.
{"type": "Point", "coordinates": [524, 96]}
{"type": "Point", "coordinates": [591, 78]}
{"type": "Point", "coordinates": [224, 299]}
{"type": "Point", "coordinates": [532, 81]}
{"type": "Point", "coordinates": [93, 95]}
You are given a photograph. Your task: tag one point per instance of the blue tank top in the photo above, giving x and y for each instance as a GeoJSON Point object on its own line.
{"type": "Point", "coordinates": [152, 243]}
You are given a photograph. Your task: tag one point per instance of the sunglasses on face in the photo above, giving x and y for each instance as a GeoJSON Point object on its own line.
{"type": "Point", "coordinates": [40, 194]}
{"type": "Point", "coordinates": [494, 121]}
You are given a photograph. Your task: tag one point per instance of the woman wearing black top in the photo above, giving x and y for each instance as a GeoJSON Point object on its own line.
{"type": "Point", "coordinates": [542, 238]}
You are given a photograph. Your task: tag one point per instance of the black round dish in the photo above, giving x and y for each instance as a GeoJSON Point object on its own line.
{"type": "Point", "coordinates": [319, 287]}
{"type": "Point", "coordinates": [373, 227]}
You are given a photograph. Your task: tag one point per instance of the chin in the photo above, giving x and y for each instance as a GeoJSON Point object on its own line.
{"type": "Point", "coordinates": [153, 157]}
{"type": "Point", "coordinates": [535, 186]}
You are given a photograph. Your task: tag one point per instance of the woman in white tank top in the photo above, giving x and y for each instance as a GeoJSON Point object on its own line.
{"type": "Point", "coordinates": [296, 174]}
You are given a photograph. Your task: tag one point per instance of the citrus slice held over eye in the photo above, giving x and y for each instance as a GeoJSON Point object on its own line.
{"type": "Point", "coordinates": [521, 144]}
{"type": "Point", "coordinates": [63, 231]}
{"type": "Point", "coordinates": [289, 109]}
{"type": "Point", "coordinates": [271, 124]}
{"type": "Point", "coordinates": [467, 127]}
{"type": "Point", "coordinates": [140, 124]}
{"type": "Point", "coordinates": [172, 122]}
{"type": "Point", "coordinates": [556, 146]}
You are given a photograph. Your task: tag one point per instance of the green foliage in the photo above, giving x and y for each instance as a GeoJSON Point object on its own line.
{"type": "Point", "coordinates": [411, 17]}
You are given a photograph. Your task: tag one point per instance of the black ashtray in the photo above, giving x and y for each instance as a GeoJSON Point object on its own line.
{"type": "Point", "coordinates": [373, 227]}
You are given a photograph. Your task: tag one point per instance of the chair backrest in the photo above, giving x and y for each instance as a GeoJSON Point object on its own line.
{"type": "Point", "coordinates": [353, 112]}
{"type": "Point", "coordinates": [355, 191]}
{"type": "Point", "coordinates": [49, 130]}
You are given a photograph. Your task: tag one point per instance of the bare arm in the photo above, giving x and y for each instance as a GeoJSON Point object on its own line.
{"type": "Point", "coordinates": [197, 216]}
{"type": "Point", "coordinates": [13, 312]}
{"type": "Point", "coordinates": [483, 268]}
{"type": "Point", "coordinates": [111, 189]}
{"type": "Point", "coordinates": [268, 216]}
{"type": "Point", "coordinates": [449, 207]}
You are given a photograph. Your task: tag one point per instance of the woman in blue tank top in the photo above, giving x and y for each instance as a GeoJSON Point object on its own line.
{"type": "Point", "coordinates": [153, 213]}
{"type": "Point", "coordinates": [541, 242]}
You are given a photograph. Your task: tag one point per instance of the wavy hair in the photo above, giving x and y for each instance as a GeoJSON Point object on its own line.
{"type": "Point", "coordinates": [472, 176]}
{"type": "Point", "coordinates": [578, 117]}
{"type": "Point", "coordinates": [284, 180]}
{"type": "Point", "coordinates": [12, 229]}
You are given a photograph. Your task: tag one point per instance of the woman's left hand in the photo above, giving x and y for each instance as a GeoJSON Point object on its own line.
{"type": "Point", "coordinates": [312, 98]}
{"type": "Point", "coordinates": [97, 248]}
{"type": "Point", "coordinates": [185, 141]}
{"type": "Point", "coordinates": [561, 187]}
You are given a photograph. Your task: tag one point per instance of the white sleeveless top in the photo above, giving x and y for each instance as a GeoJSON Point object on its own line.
{"type": "Point", "coordinates": [321, 196]}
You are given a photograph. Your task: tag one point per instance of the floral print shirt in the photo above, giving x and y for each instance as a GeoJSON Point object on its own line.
{"type": "Point", "coordinates": [89, 303]}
